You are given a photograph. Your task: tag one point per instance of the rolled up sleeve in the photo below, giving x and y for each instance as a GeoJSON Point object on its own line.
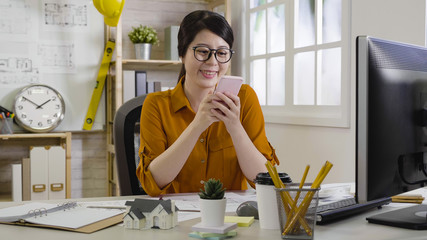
{"type": "Point", "coordinates": [153, 143]}
{"type": "Point", "coordinates": [254, 124]}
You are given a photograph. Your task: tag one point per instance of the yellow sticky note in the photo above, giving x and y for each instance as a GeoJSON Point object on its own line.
{"type": "Point", "coordinates": [241, 221]}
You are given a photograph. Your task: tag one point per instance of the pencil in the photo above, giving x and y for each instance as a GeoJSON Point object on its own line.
{"type": "Point", "coordinates": [408, 199]}
{"type": "Point", "coordinates": [107, 207]}
{"type": "Point", "coordinates": [307, 168]}
{"type": "Point", "coordinates": [304, 176]}
{"type": "Point", "coordinates": [412, 197]}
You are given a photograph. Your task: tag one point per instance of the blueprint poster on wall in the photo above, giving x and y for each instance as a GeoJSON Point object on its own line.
{"type": "Point", "coordinates": [56, 43]}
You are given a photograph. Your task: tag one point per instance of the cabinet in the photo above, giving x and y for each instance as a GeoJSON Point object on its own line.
{"type": "Point", "coordinates": [44, 139]}
{"type": "Point", "coordinates": [114, 86]}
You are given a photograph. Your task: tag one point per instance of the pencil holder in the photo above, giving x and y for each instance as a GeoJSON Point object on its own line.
{"type": "Point", "coordinates": [297, 211]}
{"type": "Point", "coordinates": [6, 125]}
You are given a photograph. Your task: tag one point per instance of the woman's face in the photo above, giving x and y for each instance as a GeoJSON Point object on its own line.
{"type": "Point", "coordinates": [204, 74]}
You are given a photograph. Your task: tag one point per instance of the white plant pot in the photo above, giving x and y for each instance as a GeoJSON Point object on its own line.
{"type": "Point", "coordinates": [213, 212]}
{"type": "Point", "coordinates": [143, 51]}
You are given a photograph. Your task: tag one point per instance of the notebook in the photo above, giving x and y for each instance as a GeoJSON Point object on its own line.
{"type": "Point", "coordinates": [67, 216]}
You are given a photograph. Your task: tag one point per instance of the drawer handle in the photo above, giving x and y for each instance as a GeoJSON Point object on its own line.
{"type": "Point", "coordinates": [56, 187]}
{"type": "Point", "coordinates": [39, 187]}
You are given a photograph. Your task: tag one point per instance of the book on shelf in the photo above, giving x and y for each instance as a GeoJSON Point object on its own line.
{"type": "Point", "coordinates": [136, 83]}
{"type": "Point", "coordinates": [128, 85]}
{"type": "Point", "coordinates": [69, 216]}
{"type": "Point", "coordinates": [141, 83]}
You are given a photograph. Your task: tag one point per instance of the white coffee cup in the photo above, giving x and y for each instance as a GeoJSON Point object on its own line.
{"type": "Point", "coordinates": [267, 201]}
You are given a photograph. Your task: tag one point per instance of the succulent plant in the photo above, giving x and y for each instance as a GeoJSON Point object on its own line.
{"type": "Point", "coordinates": [213, 189]}
{"type": "Point", "coordinates": [143, 34]}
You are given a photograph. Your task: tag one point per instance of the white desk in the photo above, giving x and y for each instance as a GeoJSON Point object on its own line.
{"type": "Point", "coordinates": [352, 228]}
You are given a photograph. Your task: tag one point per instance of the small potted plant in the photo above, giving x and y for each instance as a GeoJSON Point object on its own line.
{"type": "Point", "coordinates": [143, 38]}
{"type": "Point", "coordinates": [212, 203]}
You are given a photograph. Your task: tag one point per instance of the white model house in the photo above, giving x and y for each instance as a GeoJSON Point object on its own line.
{"type": "Point", "coordinates": [148, 213]}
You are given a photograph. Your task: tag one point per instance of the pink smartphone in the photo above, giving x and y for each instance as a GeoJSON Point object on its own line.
{"type": "Point", "coordinates": [229, 83]}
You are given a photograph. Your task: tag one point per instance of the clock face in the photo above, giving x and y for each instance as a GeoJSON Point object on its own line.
{"type": "Point", "coordinates": [39, 108]}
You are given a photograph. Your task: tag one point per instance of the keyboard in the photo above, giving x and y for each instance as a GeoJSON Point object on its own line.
{"type": "Point", "coordinates": [337, 204]}
{"type": "Point", "coordinates": [332, 215]}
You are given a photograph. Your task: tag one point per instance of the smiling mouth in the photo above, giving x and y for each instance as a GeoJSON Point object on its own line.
{"type": "Point", "coordinates": [210, 73]}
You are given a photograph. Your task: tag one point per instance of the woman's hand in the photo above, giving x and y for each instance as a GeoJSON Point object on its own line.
{"type": "Point", "coordinates": [204, 116]}
{"type": "Point", "coordinates": [227, 109]}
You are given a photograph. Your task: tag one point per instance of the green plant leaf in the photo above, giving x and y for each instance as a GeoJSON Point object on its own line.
{"type": "Point", "coordinates": [143, 34]}
{"type": "Point", "coordinates": [213, 189]}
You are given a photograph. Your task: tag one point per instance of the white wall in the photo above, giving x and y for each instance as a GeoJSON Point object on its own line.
{"type": "Point", "coordinates": [297, 146]}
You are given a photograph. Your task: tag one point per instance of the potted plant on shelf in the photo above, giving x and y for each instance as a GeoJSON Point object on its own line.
{"type": "Point", "coordinates": [143, 38]}
{"type": "Point", "coordinates": [212, 203]}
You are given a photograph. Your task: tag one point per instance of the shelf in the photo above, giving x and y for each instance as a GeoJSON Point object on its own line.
{"type": "Point", "coordinates": [136, 64]}
{"type": "Point", "coordinates": [5, 198]}
{"type": "Point", "coordinates": [33, 135]}
{"type": "Point", "coordinates": [44, 139]}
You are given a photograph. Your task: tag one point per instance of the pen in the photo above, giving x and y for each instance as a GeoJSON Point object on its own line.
{"type": "Point", "coordinates": [184, 210]}
{"type": "Point", "coordinates": [108, 207]}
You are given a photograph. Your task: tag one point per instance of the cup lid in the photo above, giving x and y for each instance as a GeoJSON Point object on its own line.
{"type": "Point", "coordinates": [265, 178]}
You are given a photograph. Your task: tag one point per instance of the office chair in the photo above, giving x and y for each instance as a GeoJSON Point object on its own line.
{"type": "Point", "coordinates": [126, 131]}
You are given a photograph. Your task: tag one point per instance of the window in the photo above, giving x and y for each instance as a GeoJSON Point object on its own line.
{"type": "Point", "coordinates": [298, 60]}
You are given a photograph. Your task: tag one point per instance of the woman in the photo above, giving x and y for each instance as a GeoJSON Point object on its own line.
{"type": "Point", "coordinates": [187, 135]}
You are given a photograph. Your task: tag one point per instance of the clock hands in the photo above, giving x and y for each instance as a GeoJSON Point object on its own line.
{"type": "Point", "coordinates": [37, 106]}
{"type": "Point", "coordinates": [43, 104]}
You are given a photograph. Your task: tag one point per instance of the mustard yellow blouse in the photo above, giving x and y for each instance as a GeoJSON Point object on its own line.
{"type": "Point", "coordinates": [164, 117]}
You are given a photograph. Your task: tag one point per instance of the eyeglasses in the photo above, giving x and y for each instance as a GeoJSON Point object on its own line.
{"type": "Point", "coordinates": [222, 55]}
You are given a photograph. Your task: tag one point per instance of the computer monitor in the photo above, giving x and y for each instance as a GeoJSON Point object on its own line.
{"type": "Point", "coordinates": [391, 139]}
{"type": "Point", "coordinates": [391, 118]}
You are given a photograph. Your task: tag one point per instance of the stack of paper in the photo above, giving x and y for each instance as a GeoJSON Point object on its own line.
{"type": "Point", "coordinates": [212, 236]}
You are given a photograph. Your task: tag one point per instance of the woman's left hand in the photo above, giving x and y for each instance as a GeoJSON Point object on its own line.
{"type": "Point", "coordinates": [227, 109]}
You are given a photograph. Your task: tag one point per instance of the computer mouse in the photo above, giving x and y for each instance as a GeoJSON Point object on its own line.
{"type": "Point", "coordinates": [248, 209]}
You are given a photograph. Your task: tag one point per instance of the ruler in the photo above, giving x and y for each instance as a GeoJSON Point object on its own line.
{"type": "Point", "coordinates": [99, 87]}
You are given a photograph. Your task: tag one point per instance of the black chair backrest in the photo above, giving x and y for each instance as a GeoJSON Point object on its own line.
{"type": "Point", "coordinates": [125, 120]}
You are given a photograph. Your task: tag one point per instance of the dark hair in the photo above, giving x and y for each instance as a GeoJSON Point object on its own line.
{"type": "Point", "coordinates": [197, 21]}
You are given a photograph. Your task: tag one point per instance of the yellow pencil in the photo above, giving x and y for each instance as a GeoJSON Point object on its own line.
{"type": "Point", "coordinates": [304, 176]}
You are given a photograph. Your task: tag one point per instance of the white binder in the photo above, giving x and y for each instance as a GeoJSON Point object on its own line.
{"type": "Point", "coordinates": [47, 172]}
{"type": "Point", "coordinates": [39, 173]}
{"type": "Point", "coordinates": [56, 159]}
{"type": "Point", "coordinates": [17, 182]}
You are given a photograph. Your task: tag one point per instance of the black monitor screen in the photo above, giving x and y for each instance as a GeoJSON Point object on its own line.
{"type": "Point", "coordinates": [391, 132]}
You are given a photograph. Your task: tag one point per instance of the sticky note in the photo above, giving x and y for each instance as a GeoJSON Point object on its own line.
{"type": "Point", "coordinates": [241, 221]}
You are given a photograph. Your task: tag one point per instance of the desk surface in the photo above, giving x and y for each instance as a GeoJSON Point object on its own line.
{"type": "Point", "coordinates": [352, 228]}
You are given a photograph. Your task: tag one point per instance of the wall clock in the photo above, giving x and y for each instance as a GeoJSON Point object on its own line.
{"type": "Point", "coordinates": [39, 108]}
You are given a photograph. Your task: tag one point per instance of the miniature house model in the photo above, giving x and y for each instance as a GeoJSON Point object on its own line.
{"type": "Point", "coordinates": [148, 213]}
